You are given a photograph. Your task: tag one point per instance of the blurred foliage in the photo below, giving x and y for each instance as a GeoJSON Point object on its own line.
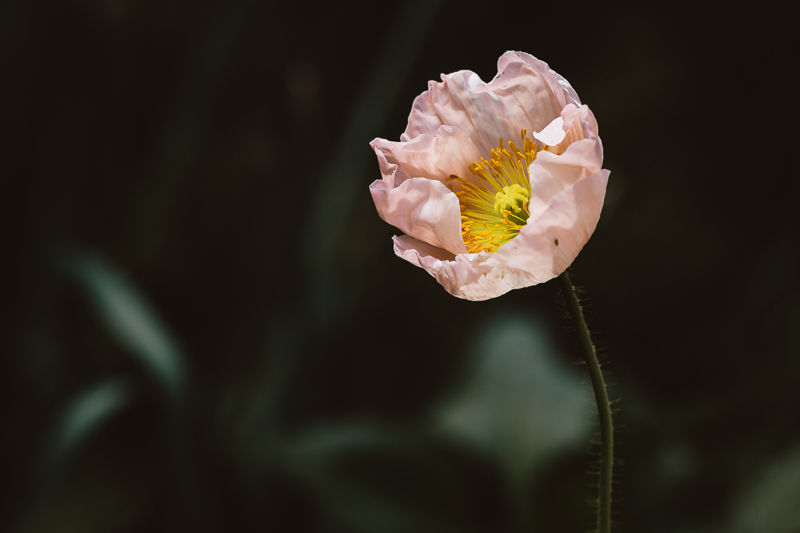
{"type": "Point", "coordinates": [204, 327]}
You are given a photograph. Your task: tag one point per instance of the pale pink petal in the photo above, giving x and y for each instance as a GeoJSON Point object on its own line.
{"type": "Point", "coordinates": [553, 133]}
{"type": "Point", "coordinates": [449, 270]}
{"type": "Point", "coordinates": [574, 124]}
{"type": "Point", "coordinates": [573, 135]}
{"type": "Point", "coordinates": [546, 246]}
{"type": "Point", "coordinates": [437, 157]}
{"type": "Point", "coordinates": [579, 123]}
{"type": "Point", "coordinates": [425, 209]}
{"type": "Point", "coordinates": [511, 57]}
{"type": "Point", "coordinates": [420, 253]}
{"type": "Point", "coordinates": [392, 175]}
{"type": "Point", "coordinates": [551, 174]}
{"type": "Point", "coordinates": [543, 249]}
{"type": "Point", "coordinates": [526, 93]}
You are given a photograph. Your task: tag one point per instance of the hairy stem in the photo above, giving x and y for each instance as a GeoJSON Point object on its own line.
{"type": "Point", "coordinates": [603, 405]}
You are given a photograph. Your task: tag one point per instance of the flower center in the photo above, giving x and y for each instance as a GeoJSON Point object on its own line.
{"type": "Point", "coordinates": [514, 198]}
{"type": "Point", "coordinates": [494, 211]}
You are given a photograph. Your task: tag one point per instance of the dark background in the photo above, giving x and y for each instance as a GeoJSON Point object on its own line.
{"type": "Point", "coordinates": [205, 329]}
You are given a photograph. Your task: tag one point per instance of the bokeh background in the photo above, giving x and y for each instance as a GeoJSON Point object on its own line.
{"type": "Point", "coordinates": [205, 329]}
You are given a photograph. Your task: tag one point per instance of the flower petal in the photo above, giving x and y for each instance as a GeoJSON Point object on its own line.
{"type": "Point", "coordinates": [449, 270]}
{"type": "Point", "coordinates": [420, 253]}
{"type": "Point", "coordinates": [546, 246]}
{"type": "Point", "coordinates": [578, 124]}
{"type": "Point", "coordinates": [512, 57]}
{"type": "Point", "coordinates": [543, 249]}
{"type": "Point", "coordinates": [425, 209]}
{"type": "Point", "coordinates": [526, 93]}
{"type": "Point", "coordinates": [437, 156]}
{"type": "Point", "coordinates": [574, 124]}
{"type": "Point", "coordinates": [552, 174]}
{"type": "Point", "coordinates": [553, 134]}
{"type": "Point", "coordinates": [392, 175]}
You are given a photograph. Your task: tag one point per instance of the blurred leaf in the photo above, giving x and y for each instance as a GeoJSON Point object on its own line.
{"type": "Point", "coordinates": [772, 503]}
{"type": "Point", "coordinates": [378, 480]}
{"type": "Point", "coordinates": [87, 412]}
{"type": "Point", "coordinates": [521, 403]}
{"type": "Point", "coordinates": [132, 321]}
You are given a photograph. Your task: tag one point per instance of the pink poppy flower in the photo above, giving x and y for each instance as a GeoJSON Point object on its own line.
{"type": "Point", "coordinates": [497, 185]}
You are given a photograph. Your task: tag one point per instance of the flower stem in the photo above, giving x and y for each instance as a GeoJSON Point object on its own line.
{"type": "Point", "coordinates": [603, 405]}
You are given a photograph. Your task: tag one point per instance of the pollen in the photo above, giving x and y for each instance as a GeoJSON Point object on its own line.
{"type": "Point", "coordinates": [494, 207]}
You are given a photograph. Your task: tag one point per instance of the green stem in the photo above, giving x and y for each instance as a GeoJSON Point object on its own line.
{"type": "Point", "coordinates": [603, 405]}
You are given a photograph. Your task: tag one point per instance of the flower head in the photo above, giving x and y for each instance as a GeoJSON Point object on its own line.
{"type": "Point", "coordinates": [497, 185]}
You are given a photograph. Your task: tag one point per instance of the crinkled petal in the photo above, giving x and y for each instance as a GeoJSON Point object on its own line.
{"type": "Point", "coordinates": [512, 57]}
{"type": "Point", "coordinates": [551, 174]}
{"type": "Point", "coordinates": [437, 156]}
{"type": "Point", "coordinates": [425, 209]}
{"type": "Point", "coordinates": [448, 269]}
{"type": "Point", "coordinates": [553, 133]}
{"type": "Point", "coordinates": [420, 253]}
{"type": "Point", "coordinates": [544, 248]}
{"type": "Point", "coordinates": [573, 135]}
{"type": "Point", "coordinates": [574, 124]}
{"type": "Point", "coordinates": [578, 124]}
{"type": "Point", "coordinates": [526, 93]}
{"type": "Point", "coordinates": [392, 175]}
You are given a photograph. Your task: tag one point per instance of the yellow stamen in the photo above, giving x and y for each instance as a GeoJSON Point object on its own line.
{"type": "Point", "coordinates": [500, 200]}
